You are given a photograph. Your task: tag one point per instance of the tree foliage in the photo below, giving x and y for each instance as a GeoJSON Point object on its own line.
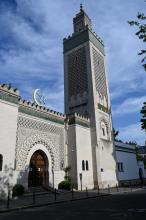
{"type": "Point", "coordinates": [115, 133]}
{"type": "Point", "coordinates": [141, 33]}
{"type": "Point", "coordinates": [18, 190]}
{"type": "Point", "coordinates": [138, 156]}
{"type": "Point", "coordinates": [66, 185]}
{"type": "Point", "coordinates": [143, 120]}
{"type": "Point", "coordinates": [67, 170]}
{"type": "Point", "coordinates": [131, 143]}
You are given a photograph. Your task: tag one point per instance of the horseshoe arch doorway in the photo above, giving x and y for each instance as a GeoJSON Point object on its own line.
{"type": "Point", "coordinates": [38, 169]}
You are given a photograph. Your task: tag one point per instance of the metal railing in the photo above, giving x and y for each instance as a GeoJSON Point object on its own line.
{"type": "Point", "coordinates": [45, 197]}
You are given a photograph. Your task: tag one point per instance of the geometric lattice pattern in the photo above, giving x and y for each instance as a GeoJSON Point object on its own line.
{"type": "Point", "coordinates": [99, 72]}
{"type": "Point", "coordinates": [30, 132]}
{"type": "Point", "coordinates": [77, 72]}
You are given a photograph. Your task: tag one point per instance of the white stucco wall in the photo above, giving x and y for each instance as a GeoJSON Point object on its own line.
{"type": "Point", "coordinates": [84, 152]}
{"type": "Point", "coordinates": [105, 155]}
{"type": "Point", "coordinates": [107, 163]}
{"type": "Point", "coordinates": [79, 148]}
{"type": "Point", "coordinates": [129, 165]}
{"type": "Point", "coordinates": [8, 130]}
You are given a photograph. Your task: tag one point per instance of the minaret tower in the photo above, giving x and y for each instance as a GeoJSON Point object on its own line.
{"type": "Point", "coordinates": [87, 93]}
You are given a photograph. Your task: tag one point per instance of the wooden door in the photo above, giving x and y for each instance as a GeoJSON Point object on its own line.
{"type": "Point", "coordinates": [38, 169]}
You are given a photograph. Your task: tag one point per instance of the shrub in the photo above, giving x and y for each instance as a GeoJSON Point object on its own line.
{"type": "Point", "coordinates": [64, 185]}
{"type": "Point", "coordinates": [18, 190]}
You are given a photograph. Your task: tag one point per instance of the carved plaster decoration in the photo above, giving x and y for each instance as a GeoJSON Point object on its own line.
{"type": "Point", "coordinates": [31, 132]}
{"type": "Point", "coordinates": [21, 156]}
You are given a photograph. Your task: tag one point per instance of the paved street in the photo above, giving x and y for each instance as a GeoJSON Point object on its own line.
{"type": "Point", "coordinates": [131, 206]}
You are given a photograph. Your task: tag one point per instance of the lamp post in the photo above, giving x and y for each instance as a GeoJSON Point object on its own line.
{"type": "Point", "coordinates": [80, 175]}
{"type": "Point", "coordinates": [53, 177]}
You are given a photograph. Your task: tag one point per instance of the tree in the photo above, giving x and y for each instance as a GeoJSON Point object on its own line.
{"type": "Point", "coordinates": [139, 156]}
{"type": "Point", "coordinates": [67, 170]}
{"type": "Point", "coordinates": [131, 143]}
{"type": "Point", "coordinates": [115, 134]}
{"type": "Point", "coordinates": [143, 120]}
{"type": "Point", "coordinates": [141, 33]}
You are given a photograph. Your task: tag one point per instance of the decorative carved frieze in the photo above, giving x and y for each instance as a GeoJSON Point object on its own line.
{"type": "Point", "coordinates": [32, 131]}
{"type": "Point", "coordinates": [99, 73]}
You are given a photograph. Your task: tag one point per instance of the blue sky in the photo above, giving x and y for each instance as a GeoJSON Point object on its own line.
{"type": "Point", "coordinates": [31, 53]}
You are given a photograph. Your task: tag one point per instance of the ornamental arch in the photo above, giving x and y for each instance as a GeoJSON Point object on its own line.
{"type": "Point", "coordinates": [38, 169]}
{"type": "Point", "coordinates": [104, 128]}
{"type": "Point", "coordinates": [31, 144]}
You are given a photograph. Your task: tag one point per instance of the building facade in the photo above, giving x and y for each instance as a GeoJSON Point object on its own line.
{"type": "Point", "coordinates": [127, 165]}
{"type": "Point", "coordinates": [129, 169]}
{"type": "Point", "coordinates": [86, 92]}
{"type": "Point", "coordinates": [32, 141]}
{"type": "Point", "coordinates": [37, 143]}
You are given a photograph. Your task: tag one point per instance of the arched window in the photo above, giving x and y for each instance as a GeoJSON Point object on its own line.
{"type": "Point", "coordinates": [83, 165]}
{"type": "Point", "coordinates": [87, 165]}
{"type": "Point", "coordinates": [103, 131]}
{"type": "Point", "coordinates": [1, 162]}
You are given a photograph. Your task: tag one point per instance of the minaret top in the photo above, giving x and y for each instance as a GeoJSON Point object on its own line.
{"type": "Point", "coordinates": [81, 7]}
{"type": "Point", "coordinates": [81, 21]}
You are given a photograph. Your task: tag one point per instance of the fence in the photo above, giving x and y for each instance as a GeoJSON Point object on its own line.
{"type": "Point", "coordinates": [45, 197]}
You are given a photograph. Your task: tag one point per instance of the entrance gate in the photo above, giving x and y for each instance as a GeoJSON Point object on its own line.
{"type": "Point", "coordinates": [38, 169]}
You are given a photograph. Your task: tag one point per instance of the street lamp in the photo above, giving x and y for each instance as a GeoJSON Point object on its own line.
{"type": "Point", "coordinates": [80, 175]}
{"type": "Point", "coordinates": [53, 177]}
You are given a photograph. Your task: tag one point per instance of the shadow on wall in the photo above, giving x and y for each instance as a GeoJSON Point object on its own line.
{"type": "Point", "coordinates": [115, 159]}
{"type": "Point", "coordinates": [9, 177]}
{"type": "Point", "coordinates": [6, 181]}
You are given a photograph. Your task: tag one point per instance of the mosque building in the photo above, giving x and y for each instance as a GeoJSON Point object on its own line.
{"type": "Point", "coordinates": [37, 143]}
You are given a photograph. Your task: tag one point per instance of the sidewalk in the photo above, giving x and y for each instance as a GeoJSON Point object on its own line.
{"type": "Point", "coordinates": [39, 199]}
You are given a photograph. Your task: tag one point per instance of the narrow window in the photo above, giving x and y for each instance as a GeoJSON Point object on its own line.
{"type": "Point", "coordinates": [87, 165]}
{"type": "Point", "coordinates": [83, 165]}
{"type": "Point", "coordinates": [122, 169]}
{"type": "Point", "coordinates": [103, 131]}
{"type": "Point", "coordinates": [118, 165]}
{"type": "Point", "coordinates": [1, 162]}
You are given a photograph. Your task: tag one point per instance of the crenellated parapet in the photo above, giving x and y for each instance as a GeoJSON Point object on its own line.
{"type": "Point", "coordinates": [78, 119]}
{"type": "Point", "coordinates": [32, 109]}
{"type": "Point", "coordinates": [9, 94]}
{"type": "Point", "coordinates": [74, 34]}
{"type": "Point", "coordinates": [8, 88]}
{"type": "Point", "coordinates": [82, 37]}
{"type": "Point", "coordinates": [41, 108]}
{"type": "Point", "coordinates": [99, 38]}
{"type": "Point", "coordinates": [69, 37]}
